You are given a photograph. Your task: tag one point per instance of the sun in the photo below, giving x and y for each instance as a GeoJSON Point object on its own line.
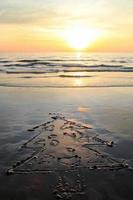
{"type": "Point", "coordinates": [80, 36]}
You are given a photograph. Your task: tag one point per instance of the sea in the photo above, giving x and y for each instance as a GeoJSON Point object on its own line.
{"type": "Point", "coordinates": [66, 70]}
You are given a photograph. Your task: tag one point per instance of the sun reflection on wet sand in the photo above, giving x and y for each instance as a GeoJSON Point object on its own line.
{"type": "Point", "coordinates": [83, 109]}
{"type": "Point", "coordinates": [78, 55]}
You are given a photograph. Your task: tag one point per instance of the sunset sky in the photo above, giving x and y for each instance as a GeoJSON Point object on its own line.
{"type": "Point", "coordinates": [47, 25]}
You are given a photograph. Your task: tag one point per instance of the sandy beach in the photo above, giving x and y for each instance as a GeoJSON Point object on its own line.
{"type": "Point", "coordinates": [66, 100]}
{"type": "Point", "coordinates": [73, 143]}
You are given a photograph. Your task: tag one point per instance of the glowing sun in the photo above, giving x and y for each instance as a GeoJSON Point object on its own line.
{"type": "Point", "coordinates": [79, 36]}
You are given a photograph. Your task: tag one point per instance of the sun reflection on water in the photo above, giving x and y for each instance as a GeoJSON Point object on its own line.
{"type": "Point", "coordinates": [78, 82]}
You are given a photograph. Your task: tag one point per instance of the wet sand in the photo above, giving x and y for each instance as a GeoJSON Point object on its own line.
{"type": "Point", "coordinates": [66, 144]}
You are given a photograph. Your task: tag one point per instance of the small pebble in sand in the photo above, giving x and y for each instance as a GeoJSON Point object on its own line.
{"type": "Point", "coordinates": [60, 179]}
{"type": "Point", "coordinates": [18, 163]}
{"type": "Point", "coordinates": [14, 165]}
{"type": "Point", "coordinates": [31, 129]}
{"type": "Point", "coordinates": [54, 142]}
{"type": "Point", "coordinates": [125, 165]}
{"type": "Point", "coordinates": [30, 164]}
{"type": "Point", "coordinates": [53, 135]}
{"type": "Point", "coordinates": [72, 123]}
{"type": "Point", "coordinates": [94, 167]}
{"type": "Point", "coordinates": [58, 196]}
{"type": "Point", "coordinates": [35, 157]}
{"type": "Point", "coordinates": [55, 117]}
{"type": "Point", "coordinates": [65, 194]}
{"type": "Point", "coordinates": [10, 172]}
{"type": "Point", "coordinates": [110, 143]}
{"type": "Point", "coordinates": [70, 149]}
{"type": "Point", "coordinates": [74, 135]}
{"type": "Point", "coordinates": [58, 158]}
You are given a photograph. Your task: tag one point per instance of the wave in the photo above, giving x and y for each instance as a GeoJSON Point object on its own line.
{"type": "Point", "coordinates": [29, 60]}
{"type": "Point", "coordinates": [74, 60]}
{"type": "Point", "coordinates": [120, 61]}
{"type": "Point", "coordinates": [47, 76]}
{"type": "Point", "coordinates": [92, 66]}
{"type": "Point", "coordinates": [57, 60]}
{"type": "Point", "coordinates": [4, 61]}
{"type": "Point", "coordinates": [67, 65]}
{"type": "Point", "coordinates": [61, 76]}
{"type": "Point", "coordinates": [65, 86]}
{"type": "Point", "coordinates": [101, 70]}
{"type": "Point", "coordinates": [32, 72]}
{"type": "Point", "coordinates": [66, 71]}
{"type": "Point", "coordinates": [30, 64]}
{"type": "Point", "coordinates": [75, 76]}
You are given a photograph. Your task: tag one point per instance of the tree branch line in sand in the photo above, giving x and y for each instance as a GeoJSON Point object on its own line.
{"type": "Point", "coordinates": [63, 144]}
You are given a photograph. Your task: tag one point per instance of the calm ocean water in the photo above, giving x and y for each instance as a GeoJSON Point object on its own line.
{"type": "Point", "coordinates": [66, 70]}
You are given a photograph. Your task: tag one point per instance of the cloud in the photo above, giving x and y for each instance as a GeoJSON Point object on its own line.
{"type": "Point", "coordinates": [112, 14]}
{"type": "Point", "coordinates": [23, 11]}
